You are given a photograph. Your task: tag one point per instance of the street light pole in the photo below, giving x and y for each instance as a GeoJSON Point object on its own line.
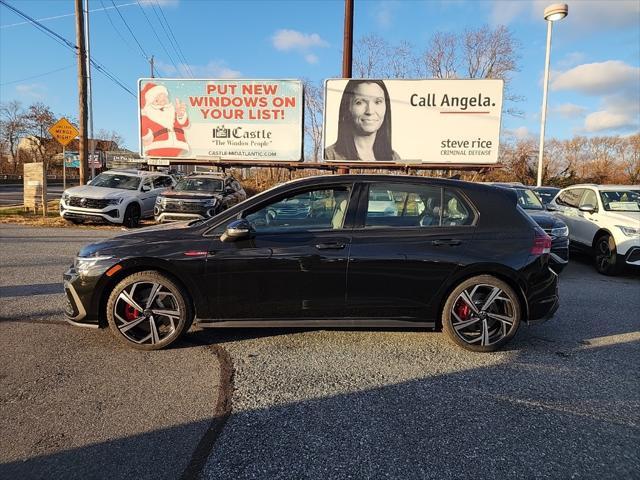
{"type": "Point", "coordinates": [552, 13]}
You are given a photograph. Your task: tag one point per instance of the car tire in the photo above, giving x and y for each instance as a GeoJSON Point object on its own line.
{"type": "Point", "coordinates": [606, 255]}
{"type": "Point", "coordinates": [146, 323]}
{"type": "Point", "coordinates": [131, 216]}
{"type": "Point", "coordinates": [481, 314]}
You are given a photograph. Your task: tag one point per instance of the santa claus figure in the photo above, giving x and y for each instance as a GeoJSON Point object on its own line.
{"type": "Point", "coordinates": [161, 123]}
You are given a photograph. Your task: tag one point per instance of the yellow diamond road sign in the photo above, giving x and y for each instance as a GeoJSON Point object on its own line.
{"type": "Point", "coordinates": [63, 131]}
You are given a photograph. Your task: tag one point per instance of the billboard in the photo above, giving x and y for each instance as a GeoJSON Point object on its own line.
{"type": "Point", "coordinates": [412, 121]}
{"type": "Point", "coordinates": [221, 119]}
{"type": "Point", "coordinates": [72, 159]}
{"type": "Point", "coordinates": [123, 159]}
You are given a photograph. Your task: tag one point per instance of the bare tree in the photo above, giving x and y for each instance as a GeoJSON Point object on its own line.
{"type": "Point", "coordinates": [369, 57]}
{"type": "Point", "coordinates": [39, 118]}
{"type": "Point", "coordinates": [400, 60]}
{"type": "Point", "coordinates": [110, 136]}
{"type": "Point", "coordinates": [13, 126]}
{"type": "Point", "coordinates": [439, 59]}
{"type": "Point", "coordinates": [629, 155]}
{"type": "Point", "coordinates": [313, 107]}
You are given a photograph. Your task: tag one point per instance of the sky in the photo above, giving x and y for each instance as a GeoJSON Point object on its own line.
{"type": "Point", "coordinates": [594, 86]}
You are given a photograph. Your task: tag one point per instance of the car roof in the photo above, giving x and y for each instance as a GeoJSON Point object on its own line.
{"type": "Point", "coordinates": [606, 187]}
{"type": "Point", "coordinates": [133, 172]}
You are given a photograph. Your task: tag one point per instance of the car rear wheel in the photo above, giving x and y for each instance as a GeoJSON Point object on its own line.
{"type": "Point", "coordinates": [131, 216]}
{"type": "Point", "coordinates": [148, 311]}
{"type": "Point", "coordinates": [606, 255]}
{"type": "Point", "coordinates": [481, 314]}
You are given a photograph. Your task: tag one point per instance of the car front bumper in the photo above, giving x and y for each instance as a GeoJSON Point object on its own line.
{"type": "Point", "coordinates": [110, 214]}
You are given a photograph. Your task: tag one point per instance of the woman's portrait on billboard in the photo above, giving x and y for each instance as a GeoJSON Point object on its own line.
{"type": "Point", "coordinates": [364, 124]}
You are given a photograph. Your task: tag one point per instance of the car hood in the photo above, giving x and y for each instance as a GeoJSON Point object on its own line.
{"type": "Point", "coordinates": [141, 239]}
{"type": "Point", "coordinates": [626, 219]}
{"type": "Point", "coordinates": [544, 219]}
{"type": "Point", "coordinates": [88, 191]}
{"type": "Point", "coordinates": [190, 195]}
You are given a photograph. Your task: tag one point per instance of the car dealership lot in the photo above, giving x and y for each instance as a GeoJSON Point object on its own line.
{"type": "Point", "coordinates": [561, 401]}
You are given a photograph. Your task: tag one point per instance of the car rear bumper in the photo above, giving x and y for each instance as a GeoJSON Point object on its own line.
{"type": "Point", "coordinates": [543, 299]}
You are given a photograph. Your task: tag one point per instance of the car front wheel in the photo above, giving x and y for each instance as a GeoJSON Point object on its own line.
{"type": "Point", "coordinates": [606, 255]}
{"type": "Point", "coordinates": [481, 314]}
{"type": "Point", "coordinates": [131, 216]}
{"type": "Point", "coordinates": [148, 311]}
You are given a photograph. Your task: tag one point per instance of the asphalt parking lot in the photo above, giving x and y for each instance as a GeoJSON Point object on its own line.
{"type": "Point", "coordinates": [561, 401]}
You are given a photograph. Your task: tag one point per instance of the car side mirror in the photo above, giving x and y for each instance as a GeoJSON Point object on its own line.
{"type": "Point", "coordinates": [587, 208]}
{"type": "Point", "coordinates": [146, 188]}
{"type": "Point", "coordinates": [237, 230]}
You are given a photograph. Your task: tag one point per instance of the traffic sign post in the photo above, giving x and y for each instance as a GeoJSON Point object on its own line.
{"type": "Point", "coordinates": [64, 132]}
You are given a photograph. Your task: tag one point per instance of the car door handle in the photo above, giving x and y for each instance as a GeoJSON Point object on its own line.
{"type": "Point", "coordinates": [330, 246]}
{"type": "Point", "coordinates": [447, 243]}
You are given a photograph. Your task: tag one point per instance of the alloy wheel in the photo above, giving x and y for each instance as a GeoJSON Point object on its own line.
{"type": "Point", "coordinates": [483, 315]}
{"type": "Point", "coordinates": [604, 254]}
{"type": "Point", "coordinates": [147, 313]}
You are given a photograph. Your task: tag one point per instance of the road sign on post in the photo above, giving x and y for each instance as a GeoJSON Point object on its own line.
{"type": "Point", "coordinates": [63, 131]}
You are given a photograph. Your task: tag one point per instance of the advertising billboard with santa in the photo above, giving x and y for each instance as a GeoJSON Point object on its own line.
{"type": "Point", "coordinates": [221, 119]}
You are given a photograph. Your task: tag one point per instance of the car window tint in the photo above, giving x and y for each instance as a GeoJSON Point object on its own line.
{"type": "Point", "coordinates": [570, 198]}
{"type": "Point", "coordinates": [403, 205]}
{"type": "Point", "coordinates": [589, 198]}
{"type": "Point", "coordinates": [309, 210]}
{"type": "Point", "coordinates": [456, 211]}
{"type": "Point", "coordinates": [162, 182]}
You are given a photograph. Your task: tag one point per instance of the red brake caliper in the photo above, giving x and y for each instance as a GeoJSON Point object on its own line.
{"type": "Point", "coordinates": [463, 311]}
{"type": "Point", "coordinates": [131, 313]}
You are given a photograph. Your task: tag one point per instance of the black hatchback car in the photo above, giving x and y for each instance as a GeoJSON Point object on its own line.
{"type": "Point", "coordinates": [452, 254]}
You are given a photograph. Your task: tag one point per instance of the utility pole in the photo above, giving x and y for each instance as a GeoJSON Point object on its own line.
{"type": "Point", "coordinates": [151, 62]}
{"type": "Point", "coordinates": [82, 91]}
{"type": "Point", "coordinates": [91, 139]}
{"type": "Point", "coordinates": [347, 48]}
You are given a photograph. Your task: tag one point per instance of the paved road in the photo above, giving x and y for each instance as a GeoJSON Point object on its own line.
{"type": "Point", "coordinates": [73, 402]}
{"type": "Point", "coordinates": [14, 194]}
{"type": "Point", "coordinates": [562, 401]}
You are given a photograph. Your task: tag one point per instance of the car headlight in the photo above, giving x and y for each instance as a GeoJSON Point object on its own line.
{"type": "Point", "coordinates": [629, 231]}
{"type": "Point", "coordinates": [158, 200]}
{"type": "Point", "coordinates": [210, 203]}
{"type": "Point", "coordinates": [115, 201]}
{"type": "Point", "coordinates": [82, 265]}
{"type": "Point", "coordinates": [560, 231]}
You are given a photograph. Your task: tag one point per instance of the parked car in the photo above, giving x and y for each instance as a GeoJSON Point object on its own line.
{"type": "Point", "coordinates": [604, 221]}
{"type": "Point", "coordinates": [115, 196]}
{"type": "Point", "coordinates": [546, 194]}
{"type": "Point", "coordinates": [198, 196]}
{"type": "Point", "coordinates": [469, 261]}
{"type": "Point", "coordinates": [552, 225]}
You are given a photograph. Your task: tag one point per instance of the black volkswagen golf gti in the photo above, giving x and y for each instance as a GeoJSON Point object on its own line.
{"type": "Point", "coordinates": [441, 253]}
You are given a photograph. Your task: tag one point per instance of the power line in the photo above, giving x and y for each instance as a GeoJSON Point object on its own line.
{"type": "Point", "coordinates": [116, 29]}
{"type": "Point", "coordinates": [64, 16]}
{"type": "Point", "coordinates": [172, 39]}
{"type": "Point", "coordinates": [131, 31]}
{"type": "Point", "coordinates": [158, 38]}
{"type": "Point", "coordinates": [63, 41]}
{"type": "Point", "coordinates": [36, 76]}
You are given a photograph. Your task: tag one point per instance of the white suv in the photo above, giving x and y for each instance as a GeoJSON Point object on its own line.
{"type": "Point", "coordinates": [604, 220]}
{"type": "Point", "coordinates": [115, 196]}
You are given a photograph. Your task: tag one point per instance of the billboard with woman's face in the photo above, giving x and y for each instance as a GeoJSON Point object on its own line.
{"type": "Point", "coordinates": [412, 121]}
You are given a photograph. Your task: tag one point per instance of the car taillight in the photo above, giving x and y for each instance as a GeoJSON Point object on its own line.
{"type": "Point", "coordinates": [541, 243]}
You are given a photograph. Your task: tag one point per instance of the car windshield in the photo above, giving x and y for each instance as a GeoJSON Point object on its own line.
{"type": "Point", "coordinates": [116, 180]}
{"type": "Point", "coordinates": [199, 185]}
{"type": "Point", "coordinates": [528, 200]}
{"type": "Point", "coordinates": [621, 200]}
{"type": "Point", "coordinates": [547, 194]}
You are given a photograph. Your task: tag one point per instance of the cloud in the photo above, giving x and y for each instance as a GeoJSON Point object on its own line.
{"type": "Point", "coordinates": [303, 43]}
{"type": "Point", "coordinates": [617, 113]}
{"type": "Point", "coordinates": [503, 13]}
{"type": "Point", "coordinates": [34, 90]}
{"type": "Point", "coordinates": [213, 69]}
{"type": "Point", "coordinates": [569, 110]}
{"type": "Point", "coordinates": [598, 78]}
{"type": "Point", "coordinates": [286, 40]}
{"type": "Point", "coordinates": [571, 60]}
{"type": "Point", "coordinates": [520, 133]}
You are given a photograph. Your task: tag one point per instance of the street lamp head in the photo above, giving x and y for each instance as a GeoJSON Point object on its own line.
{"type": "Point", "coordinates": [557, 11]}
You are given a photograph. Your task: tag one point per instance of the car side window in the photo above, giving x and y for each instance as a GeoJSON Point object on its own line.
{"type": "Point", "coordinates": [309, 210]}
{"type": "Point", "coordinates": [403, 205]}
{"type": "Point", "coordinates": [570, 198]}
{"type": "Point", "coordinates": [589, 198]}
{"type": "Point", "coordinates": [146, 185]}
{"type": "Point", "coordinates": [162, 182]}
